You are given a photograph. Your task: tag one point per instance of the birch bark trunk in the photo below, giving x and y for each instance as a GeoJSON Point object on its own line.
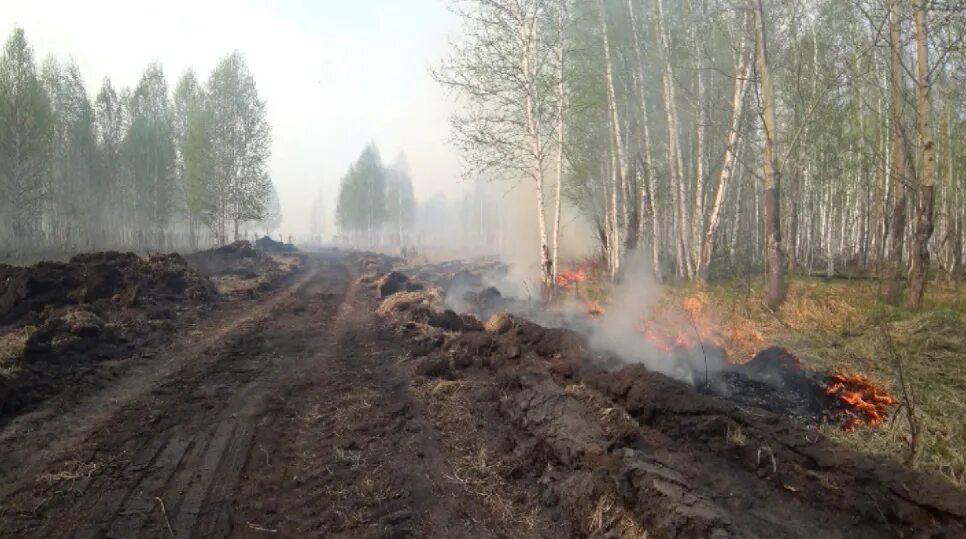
{"type": "Point", "coordinates": [647, 184]}
{"type": "Point", "coordinates": [618, 166]}
{"type": "Point", "coordinates": [897, 226]}
{"type": "Point", "coordinates": [674, 148]}
{"type": "Point", "coordinates": [742, 74]}
{"type": "Point", "coordinates": [919, 256]}
{"type": "Point", "coordinates": [774, 268]}
{"type": "Point", "coordinates": [560, 147]}
{"type": "Point", "coordinates": [528, 38]}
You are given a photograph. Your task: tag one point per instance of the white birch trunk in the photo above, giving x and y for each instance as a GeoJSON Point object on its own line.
{"type": "Point", "coordinates": [742, 74]}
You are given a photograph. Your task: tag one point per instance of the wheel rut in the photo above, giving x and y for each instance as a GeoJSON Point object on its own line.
{"type": "Point", "coordinates": [168, 462]}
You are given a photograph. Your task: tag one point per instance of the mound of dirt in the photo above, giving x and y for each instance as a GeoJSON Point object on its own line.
{"type": "Point", "coordinates": [422, 306]}
{"type": "Point", "coordinates": [266, 243]}
{"type": "Point", "coordinates": [573, 436]}
{"type": "Point", "coordinates": [239, 259]}
{"type": "Point", "coordinates": [374, 265]}
{"type": "Point", "coordinates": [239, 268]}
{"type": "Point", "coordinates": [58, 317]}
{"type": "Point", "coordinates": [395, 281]}
{"type": "Point", "coordinates": [101, 279]}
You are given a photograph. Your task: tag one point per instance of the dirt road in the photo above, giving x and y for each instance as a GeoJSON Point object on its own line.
{"type": "Point", "coordinates": [304, 413]}
{"type": "Point", "coordinates": [254, 425]}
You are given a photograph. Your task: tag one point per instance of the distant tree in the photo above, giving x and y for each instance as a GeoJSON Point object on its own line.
{"type": "Point", "coordinates": [241, 139]}
{"type": "Point", "coordinates": [362, 207]}
{"type": "Point", "coordinates": [25, 131]}
{"type": "Point", "coordinates": [192, 135]}
{"type": "Point", "coordinates": [110, 125]}
{"type": "Point", "coordinates": [75, 191]}
{"type": "Point", "coordinates": [272, 216]}
{"type": "Point", "coordinates": [317, 218]}
{"type": "Point", "coordinates": [400, 199]}
{"type": "Point", "coordinates": [150, 156]}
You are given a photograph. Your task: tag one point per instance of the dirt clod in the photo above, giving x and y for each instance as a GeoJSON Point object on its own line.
{"type": "Point", "coordinates": [392, 282]}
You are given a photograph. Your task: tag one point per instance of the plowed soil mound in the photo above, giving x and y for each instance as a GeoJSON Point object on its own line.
{"type": "Point", "coordinates": [240, 269]}
{"type": "Point", "coordinates": [549, 433]}
{"type": "Point", "coordinates": [56, 319]}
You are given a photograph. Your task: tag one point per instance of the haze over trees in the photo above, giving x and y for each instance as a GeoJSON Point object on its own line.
{"type": "Point", "coordinates": [376, 204]}
{"type": "Point", "coordinates": [151, 167]}
{"type": "Point", "coordinates": [727, 136]}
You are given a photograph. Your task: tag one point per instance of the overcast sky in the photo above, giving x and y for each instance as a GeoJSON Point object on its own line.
{"type": "Point", "coordinates": [335, 73]}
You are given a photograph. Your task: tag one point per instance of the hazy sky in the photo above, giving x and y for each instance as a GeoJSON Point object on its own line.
{"type": "Point", "coordinates": [335, 73]}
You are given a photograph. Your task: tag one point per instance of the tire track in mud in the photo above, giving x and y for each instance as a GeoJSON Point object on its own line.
{"type": "Point", "coordinates": [185, 443]}
{"type": "Point", "coordinates": [353, 452]}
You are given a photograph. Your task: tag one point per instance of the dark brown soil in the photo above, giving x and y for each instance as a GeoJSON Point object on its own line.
{"type": "Point", "coordinates": [308, 414]}
{"type": "Point", "coordinates": [93, 308]}
{"type": "Point", "coordinates": [238, 259]}
{"type": "Point", "coordinates": [622, 451]}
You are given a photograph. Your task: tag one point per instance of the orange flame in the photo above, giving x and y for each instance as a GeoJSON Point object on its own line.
{"type": "Point", "coordinates": [688, 328]}
{"type": "Point", "coordinates": [568, 276]}
{"type": "Point", "coordinates": [864, 401]}
{"type": "Point", "coordinates": [593, 309]}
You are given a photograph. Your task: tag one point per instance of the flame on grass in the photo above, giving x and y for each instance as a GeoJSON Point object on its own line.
{"type": "Point", "coordinates": [691, 323]}
{"type": "Point", "coordinates": [568, 277]}
{"type": "Point", "coordinates": [863, 401]}
{"type": "Point", "coordinates": [593, 309]}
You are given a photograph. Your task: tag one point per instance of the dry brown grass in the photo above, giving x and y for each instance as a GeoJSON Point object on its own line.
{"type": "Point", "coordinates": [610, 519]}
{"type": "Point", "coordinates": [12, 346]}
{"type": "Point", "coordinates": [401, 301]}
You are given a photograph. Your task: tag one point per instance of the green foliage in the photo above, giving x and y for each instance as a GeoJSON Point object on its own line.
{"type": "Point", "coordinates": [25, 135]}
{"type": "Point", "coordinates": [149, 150]}
{"type": "Point", "coordinates": [132, 167]}
{"type": "Point", "coordinates": [241, 140]}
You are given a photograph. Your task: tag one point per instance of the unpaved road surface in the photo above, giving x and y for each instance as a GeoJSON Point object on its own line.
{"type": "Point", "coordinates": [286, 419]}
{"type": "Point", "coordinates": [306, 414]}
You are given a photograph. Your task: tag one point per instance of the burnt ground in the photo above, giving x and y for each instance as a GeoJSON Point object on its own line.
{"type": "Point", "coordinates": [306, 413]}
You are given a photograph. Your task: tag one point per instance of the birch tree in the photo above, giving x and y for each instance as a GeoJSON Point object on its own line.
{"type": "Point", "coordinates": [743, 66]}
{"type": "Point", "coordinates": [923, 226]}
{"type": "Point", "coordinates": [25, 131]}
{"type": "Point", "coordinates": [504, 77]}
{"type": "Point", "coordinates": [771, 183]}
{"type": "Point", "coordinates": [241, 146]}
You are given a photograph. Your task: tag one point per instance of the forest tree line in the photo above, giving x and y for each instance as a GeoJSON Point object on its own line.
{"type": "Point", "coordinates": [727, 136]}
{"type": "Point", "coordinates": [130, 168]}
{"type": "Point", "coordinates": [376, 204]}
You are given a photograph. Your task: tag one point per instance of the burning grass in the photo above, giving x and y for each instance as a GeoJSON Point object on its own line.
{"type": "Point", "coordinates": [839, 326]}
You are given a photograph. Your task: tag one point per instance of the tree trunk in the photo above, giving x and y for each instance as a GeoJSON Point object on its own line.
{"type": "Point", "coordinates": [774, 268]}
{"type": "Point", "coordinates": [919, 256]}
{"type": "Point", "coordinates": [897, 225]}
{"type": "Point", "coordinates": [536, 148]}
{"type": "Point", "coordinates": [616, 140]}
{"type": "Point", "coordinates": [742, 74]}
{"type": "Point", "coordinates": [674, 148]}
{"type": "Point", "coordinates": [647, 187]}
{"type": "Point", "coordinates": [560, 147]}
{"type": "Point", "coordinates": [697, 207]}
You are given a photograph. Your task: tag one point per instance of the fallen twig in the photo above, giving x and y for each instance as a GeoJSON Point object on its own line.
{"type": "Point", "coordinates": [258, 528]}
{"type": "Point", "coordinates": [164, 513]}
